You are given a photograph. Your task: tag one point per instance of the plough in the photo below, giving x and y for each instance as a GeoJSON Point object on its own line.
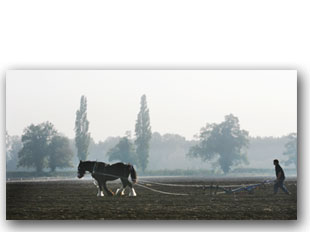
{"type": "Point", "coordinates": [248, 188]}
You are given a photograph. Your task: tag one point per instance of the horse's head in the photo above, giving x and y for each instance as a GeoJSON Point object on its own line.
{"type": "Point", "coordinates": [81, 170]}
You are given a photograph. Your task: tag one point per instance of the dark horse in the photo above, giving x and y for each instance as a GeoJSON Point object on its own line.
{"type": "Point", "coordinates": [103, 172]}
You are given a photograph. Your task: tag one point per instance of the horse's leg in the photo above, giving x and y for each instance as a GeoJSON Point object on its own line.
{"type": "Point", "coordinates": [109, 192]}
{"type": "Point", "coordinates": [122, 189]}
{"type": "Point", "coordinates": [132, 192]}
{"type": "Point", "coordinates": [99, 186]}
{"type": "Point", "coordinates": [100, 192]}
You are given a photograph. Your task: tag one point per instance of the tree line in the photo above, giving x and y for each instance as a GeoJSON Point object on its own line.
{"type": "Point", "coordinates": [43, 147]}
{"type": "Point", "coordinates": [225, 144]}
{"type": "Point", "coordinates": [168, 155]}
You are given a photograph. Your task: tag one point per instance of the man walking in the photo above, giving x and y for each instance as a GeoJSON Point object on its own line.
{"type": "Point", "coordinates": [279, 183]}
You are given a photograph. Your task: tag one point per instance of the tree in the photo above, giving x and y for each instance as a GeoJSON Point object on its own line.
{"type": "Point", "coordinates": [36, 140]}
{"type": "Point", "coordinates": [224, 141]}
{"type": "Point", "coordinates": [13, 146]}
{"type": "Point", "coordinates": [124, 151]}
{"type": "Point", "coordinates": [168, 151]}
{"type": "Point", "coordinates": [8, 145]}
{"type": "Point", "coordinates": [143, 134]}
{"type": "Point", "coordinates": [291, 149]}
{"type": "Point", "coordinates": [60, 153]}
{"type": "Point", "coordinates": [82, 136]}
{"type": "Point", "coordinates": [98, 151]}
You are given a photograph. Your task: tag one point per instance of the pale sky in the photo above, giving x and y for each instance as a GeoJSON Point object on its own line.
{"type": "Point", "coordinates": [179, 101]}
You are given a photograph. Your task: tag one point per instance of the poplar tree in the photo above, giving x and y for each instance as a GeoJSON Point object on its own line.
{"type": "Point", "coordinates": [82, 136]}
{"type": "Point", "coordinates": [143, 134]}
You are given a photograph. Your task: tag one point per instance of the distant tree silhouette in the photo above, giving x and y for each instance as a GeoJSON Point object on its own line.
{"type": "Point", "coordinates": [143, 134]}
{"type": "Point", "coordinates": [60, 154]}
{"type": "Point", "coordinates": [82, 136]}
{"type": "Point", "coordinates": [123, 151]}
{"type": "Point", "coordinates": [224, 141]}
{"type": "Point", "coordinates": [36, 140]}
{"type": "Point", "coordinates": [291, 150]}
{"type": "Point", "coordinates": [13, 146]}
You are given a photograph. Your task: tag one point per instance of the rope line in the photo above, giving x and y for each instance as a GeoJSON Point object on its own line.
{"type": "Point", "coordinates": [158, 191]}
{"type": "Point", "coordinates": [202, 186]}
{"type": "Point", "coordinates": [105, 174]}
{"type": "Point", "coordinates": [175, 185]}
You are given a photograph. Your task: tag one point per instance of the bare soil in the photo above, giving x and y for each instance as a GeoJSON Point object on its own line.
{"type": "Point", "coordinates": [77, 199]}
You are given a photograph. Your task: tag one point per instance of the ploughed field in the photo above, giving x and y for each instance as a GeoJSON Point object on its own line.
{"type": "Point", "coordinates": [77, 199]}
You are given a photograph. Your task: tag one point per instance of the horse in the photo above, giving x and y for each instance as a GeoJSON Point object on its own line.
{"type": "Point", "coordinates": [103, 172]}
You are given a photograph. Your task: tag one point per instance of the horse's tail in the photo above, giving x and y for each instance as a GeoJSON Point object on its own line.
{"type": "Point", "coordinates": [133, 173]}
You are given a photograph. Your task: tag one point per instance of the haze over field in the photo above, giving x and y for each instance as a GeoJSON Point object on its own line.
{"type": "Point", "coordinates": [257, 105]}
{"type": "Point", "coordinates": [180, 102]}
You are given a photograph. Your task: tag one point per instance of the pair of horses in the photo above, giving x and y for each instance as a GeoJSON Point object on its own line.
{"type": "Point", "coordinates": [103, 172]}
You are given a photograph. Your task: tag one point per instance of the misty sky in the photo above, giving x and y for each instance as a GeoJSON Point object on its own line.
{"type": "Point", "coordinates": [180, 101]}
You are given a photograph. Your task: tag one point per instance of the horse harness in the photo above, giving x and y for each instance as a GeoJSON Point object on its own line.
{"type": "Point", "coordinates": [102, 173]}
